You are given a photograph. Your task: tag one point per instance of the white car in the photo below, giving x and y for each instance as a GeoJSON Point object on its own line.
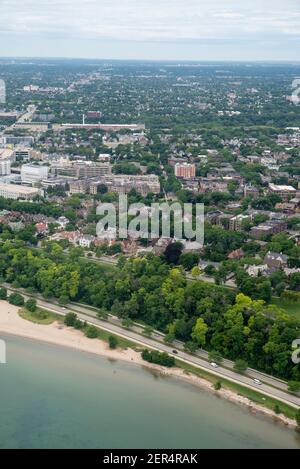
{"type": "Point", "coordinates": [214, 365]}
{"type": "Point", "coordinates": [257, 381]}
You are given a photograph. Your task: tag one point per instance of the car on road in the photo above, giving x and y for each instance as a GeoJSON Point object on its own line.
{"type": "Point", "coordinates": [257, 381]}
{"type": "Point", "coordinates": [214, 365]}
{"type": "Point", "coordinates": [175, 351]}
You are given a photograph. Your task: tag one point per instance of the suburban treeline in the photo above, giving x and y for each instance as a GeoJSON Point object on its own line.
{"type": "Point", "coordinates": [159, 295]}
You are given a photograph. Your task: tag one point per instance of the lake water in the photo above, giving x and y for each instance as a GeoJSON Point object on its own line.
{"type": "Point", "coordinates": [54, 397]}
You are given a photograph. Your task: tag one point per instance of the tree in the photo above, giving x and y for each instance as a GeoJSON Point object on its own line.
{"type": "Point", "coordinates": [277, 409]}
{"type": "Point", "coordinates": [127, 323]}
{"type": "Point", "coordinates": [196, 271]}
{"type": "Point", "coordinates": [70, 319]}
{"type": "Point", "coordinates": [199, 332]}
{"type": "Point", "coordinates": [102, 314]}
{"type": "Point", "coordinates": [16, 299]}
{"type": "Point", "coordinates": [215, 356]}
{"type": "Point", "coordinates": [218, 386]}
{"type": "Point", "coordinates": [189, 259]}
{"type": "Point", "coordinates": [63, 300]}
{"type": "Point", "coordinates": [91, 332]}
{"type": "Point", "coordinates": [148, 330]}
{"type": "Point", "coordinates": [240, 366]}
{"type": "Point", "coordinates": [112, 341]}
{"type": "Point", "coordinates": [3, 293]}
{"type": "Point", "coordinates": [31, 305]}
{"type": "Point", "coordinates": [159, 358]}
{"type": "Point", "coordinates": [173, 252]}
{"type": "Point", "coordinates": [190, 347]}
{"type": "Point", "coordinates": [294, 386]}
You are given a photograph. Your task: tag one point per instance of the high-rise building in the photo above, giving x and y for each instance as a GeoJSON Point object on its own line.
{"type": "Point", "coordinates": [5, 167]}
{"type": "Point", "coordinates": [185, 170]}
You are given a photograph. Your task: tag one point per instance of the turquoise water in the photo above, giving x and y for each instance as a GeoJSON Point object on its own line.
{"type": "Point", "coordinates": [53, 397]}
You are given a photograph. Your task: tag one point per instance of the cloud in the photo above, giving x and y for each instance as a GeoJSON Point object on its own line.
{"type": "Point", "coordinates": [155, 20]}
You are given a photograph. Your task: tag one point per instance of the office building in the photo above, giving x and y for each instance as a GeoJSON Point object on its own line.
{"type": "Point", "coordinates": [33, 174]}
{"type": "Point", "coordinates": [5, 167]}
{"type": "Point", "coordinates": [14, 191]}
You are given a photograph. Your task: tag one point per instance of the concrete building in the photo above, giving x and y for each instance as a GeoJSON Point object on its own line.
{"type": "Point", "coordinates": [81, 169]}
{"type": "Point", "coordinates": [7, 154]}
{"type": "Point", "coordinates": [251, 191]}
{"type": "Point", "coordinates": [22, 153]}
{"type": "Point", "coordinates": [105, 127]}
{"type": "Point", "coordinates": [185, 170]}
{"type": "Point", "coordinates": [268, 228]}
{"type": "Point", "coordinates": [12, 140]}
{"type": "Point", "coordinates": [5, 167]}
{"type": "Point", "coordinates": [212, 185]}
{"type": "Point", "coordinates": [79, 186]}
{"type": "Point", "coordinates": [173, 161]}
{"type": "Point", "coordinates": [122, 184]}
{"type": "Point", "coordinates": [236, 223]}
{"type": "Point", "coordinates": [14, 191]}
{"type": "Point", "coordinates": [285, 192]}
{"type": "Point", "coordinates": [33, 174]}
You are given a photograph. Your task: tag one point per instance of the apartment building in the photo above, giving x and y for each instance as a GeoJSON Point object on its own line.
{"type": "Point", "coordinates": [81, 169]}
{"type": "Point", "coordinates": [185, 170]}
{"type": "Point", "coordinates": [284, 192]}
{"type": "Point", "coordinates": [236, 223]}
{"type": "Point", "coordinates": [122, 184]}
{"type": "Point", "coordinates": [268, 228]}
{"type": "Point", "coordinates": [5, 167]}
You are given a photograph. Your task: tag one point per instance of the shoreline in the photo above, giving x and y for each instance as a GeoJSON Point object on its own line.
{"type": "Point", "coordinates": [56, 333]}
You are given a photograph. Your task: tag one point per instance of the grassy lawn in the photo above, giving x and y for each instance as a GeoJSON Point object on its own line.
{"type": "Point", "coordinates": [107, 267]}
{"type": "Point", "coordinates": [290, 308]}
{"type": "Point", "coordinates": [122, 343]}
{"type": "Point", "coordinates": [40, 316]}
{"type": "Point", "coordinates": [254, 396]}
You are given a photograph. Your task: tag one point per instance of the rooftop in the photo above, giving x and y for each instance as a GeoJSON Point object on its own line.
{"type": "Point", "coordinates": [17, 188]}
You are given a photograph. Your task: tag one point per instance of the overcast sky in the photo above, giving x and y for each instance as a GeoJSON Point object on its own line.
{"type": "Point", "coordinates": [151, 29]}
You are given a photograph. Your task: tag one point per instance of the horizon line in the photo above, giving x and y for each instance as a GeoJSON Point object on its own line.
{"type": "Point", "coordinates": [210, 61]}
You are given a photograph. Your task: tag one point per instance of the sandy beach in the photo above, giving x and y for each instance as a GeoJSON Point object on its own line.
{"type": "Point", "coordinates": [58, 334]}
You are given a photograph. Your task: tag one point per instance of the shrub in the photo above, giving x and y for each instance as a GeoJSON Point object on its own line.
{"type": "Point", "coordinates": [16, 299]}
{"type": "Point", "coordinates": [3, 293]}
{"type": "Point", "coordinates": [91, 332]}
{"type": "Point", "coordinates": [159, 358]}
{"type": "Point", "coordinates": [240, 366]}
{"type": "Point", "coordinates": [70, 319]}
{"type": "Point", "coordinates": [218, 386]}
{"type": "Point", "coordinates": [31, 305]}
{"type": "Point", "coordinates": [112, 341]}
{"type": "Point", "coordinates": [277, 409]}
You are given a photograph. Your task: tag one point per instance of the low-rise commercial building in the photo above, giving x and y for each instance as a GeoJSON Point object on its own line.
{"type": "Point", "coordinates": [14, 191]}
{"type": "Point", "coordinates": [285, 192]}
